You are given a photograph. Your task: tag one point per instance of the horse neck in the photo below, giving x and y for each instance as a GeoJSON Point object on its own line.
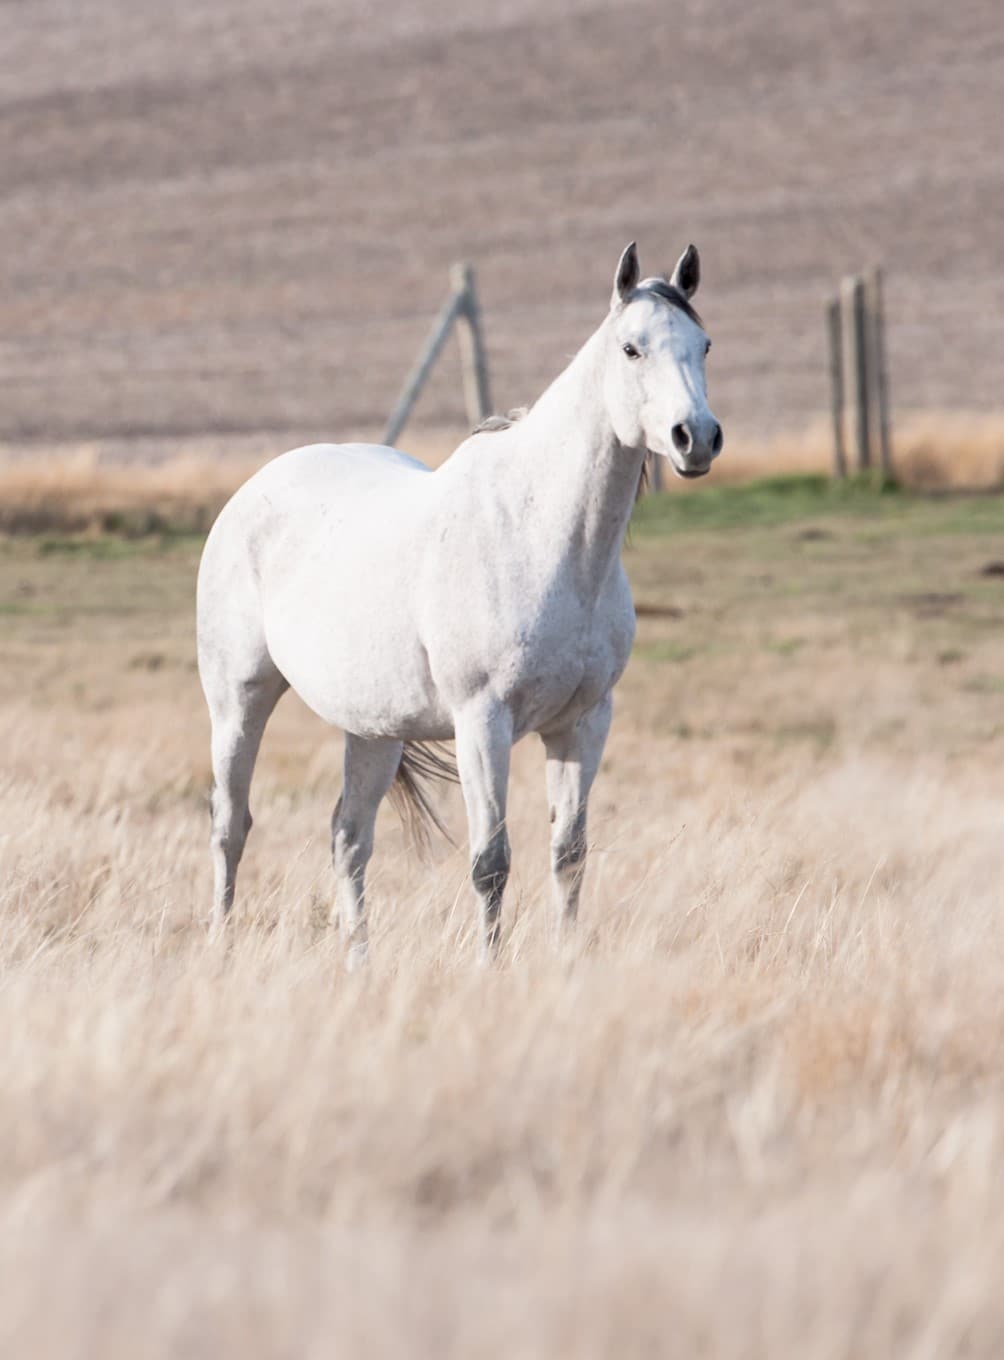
{"type": "Point", "coordinates": [577, 482]}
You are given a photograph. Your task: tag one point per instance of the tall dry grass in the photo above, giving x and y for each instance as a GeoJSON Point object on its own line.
{"type": "Point", "coordinates": [932, 451]}
{"type": "Point", "coordinates": [79, 489]}
{"type": "Point", "coordinates": [121, 486]}
{"type": "Point", "coordinates": [755, 1109]}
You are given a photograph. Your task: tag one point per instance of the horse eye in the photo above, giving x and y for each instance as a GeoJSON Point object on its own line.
{"type": "Point", "coordinates": [707, 348]}
{"type": "Point", "coordinates": [631, 352]}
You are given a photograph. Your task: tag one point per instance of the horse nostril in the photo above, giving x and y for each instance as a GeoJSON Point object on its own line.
{"type": "Point", "coordinates": [718, 441]}
{"type": "Point", "coordinates": [682, 440]}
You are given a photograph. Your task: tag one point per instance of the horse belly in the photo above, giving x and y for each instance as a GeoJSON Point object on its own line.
{"type": "Point", "coordinates": [358, 664]}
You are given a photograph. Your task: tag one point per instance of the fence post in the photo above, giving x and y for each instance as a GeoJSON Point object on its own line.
{"type": "Point", "coordinates": [472, 346]}
{"type": "Point", "coordinates": [836, 386]}
{"type": "Point", "coordinates": [878, 386]}
{"type": "Point", "coordinates": [852, 297]}
{"type": "Point", "coordinates": [423, 366]}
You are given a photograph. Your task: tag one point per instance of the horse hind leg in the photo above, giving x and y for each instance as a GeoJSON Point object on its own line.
{"type": "Point", "coordinates": [238, 721]}
{"type": "Point", "coordinates": [370, 767]}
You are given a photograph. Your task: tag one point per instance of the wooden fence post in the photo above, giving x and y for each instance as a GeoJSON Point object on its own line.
{"type": "Point", "coordinates": [423, 366]}
{"type": "Point", "coordinates": [878, 386]}
{"type": "Point", "coordinates": [855, 348]}
{"type": "Point", "coordinates": [461, 305]}
{"type": "Point", "coordinates": [472, 346]}
{"type": "Point", "coordinates": [836, 386]}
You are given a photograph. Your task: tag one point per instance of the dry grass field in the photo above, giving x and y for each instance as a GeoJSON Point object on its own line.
{"type": "Point", "coordinates": [755, 1111]}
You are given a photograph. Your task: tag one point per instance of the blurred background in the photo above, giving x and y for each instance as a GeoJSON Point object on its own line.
{"type": "Point", "coordinates": [236, 219]}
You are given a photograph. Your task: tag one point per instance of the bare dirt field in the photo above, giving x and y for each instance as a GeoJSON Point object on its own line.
{"type": "Point", "coordinates": [755, 1111]}
{"type": "Point", "coordinates": [238, 216]}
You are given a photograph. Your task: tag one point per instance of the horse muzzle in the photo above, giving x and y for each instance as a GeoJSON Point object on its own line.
{"type": "Point", "coordinates": [695, 448]}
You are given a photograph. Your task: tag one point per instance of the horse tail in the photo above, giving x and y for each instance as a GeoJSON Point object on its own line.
{"type": "Point", "coordinates": [422, 764]}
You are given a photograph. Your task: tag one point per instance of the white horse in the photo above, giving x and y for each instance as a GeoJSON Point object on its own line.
{"type": "Point", "coordinates": [482, 601]}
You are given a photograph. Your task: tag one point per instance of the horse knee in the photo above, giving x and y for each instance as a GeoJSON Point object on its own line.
{"type": "Point", "coordinates": [568, 849]}
{"type": "Point", "coordinates": [229, 831]}
{"type": "Point", "coordinates": [351, 845]}
{"type": "Point", "coordinates": [230, 843]}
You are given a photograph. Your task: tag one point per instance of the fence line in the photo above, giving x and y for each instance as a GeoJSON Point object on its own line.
{"type": "Point", "coordinates": [473, 358]}
{"type": "Point", "coordinates": [852, 307]}
{"type": "Point", "coordinates": [879, 384]}
{"type": "Point", "coordinates": [859, 386]}
{"type": "Point", "coordinates": [834, 339]}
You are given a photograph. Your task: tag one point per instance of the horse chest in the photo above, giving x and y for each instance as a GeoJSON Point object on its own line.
{"type": "Point", "coordinates": [543, 645]}
{"type": "Point", "coordinates": [556, 672]}
{"type": "Point", "coordinates": [557, 695]}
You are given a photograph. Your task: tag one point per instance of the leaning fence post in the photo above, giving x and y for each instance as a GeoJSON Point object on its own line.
{"type": "Point", "coordinates": [878, 385]}
{"type": "Point", "coordinates": [472, 346]}
{"type": "Point", "coordinates": [852, 297]}
{"type": "Point", "coordinates": [423, 366]}
{"type": "Point", "coordinates": [836, 386]}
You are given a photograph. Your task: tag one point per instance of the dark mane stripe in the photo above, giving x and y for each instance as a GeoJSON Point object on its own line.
{"type": "Point", "coordinates": [664, 289]}
{"type": "Point", "coordinates": [491, 424]}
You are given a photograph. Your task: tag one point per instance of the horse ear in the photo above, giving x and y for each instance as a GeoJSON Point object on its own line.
{"type": "Point", "coordinates": [687, 274]}
{"type": "Point", "coordinates": [628, 274]}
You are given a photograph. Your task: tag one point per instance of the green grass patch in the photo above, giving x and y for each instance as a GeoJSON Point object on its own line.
{"type": "Point", "coordinates": [771, 500]}
{"type": "Point", "coordinates": [811, 496]}
{"type": "Point", "coordinates": [111, 546]}
{"type": "Point", "coordinates": [820, 732]}
{"type": "Point", "coordinates": [665, 649]}
{"type": "Point", "coordinates": [23, 608]}
{"type": "Point", "coordinates": [985, 684]}
{"type": "Point", "coordinates": [786, 646]}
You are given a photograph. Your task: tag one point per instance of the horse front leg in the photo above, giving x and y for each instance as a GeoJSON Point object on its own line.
{"type": "Point", "coordinates": [573, 757]}
{"type": "Point", "coordinates": [484, 744]}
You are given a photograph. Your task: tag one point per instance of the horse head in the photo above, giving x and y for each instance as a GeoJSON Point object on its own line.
{"type": "Point", "coordinates": [654, 377]}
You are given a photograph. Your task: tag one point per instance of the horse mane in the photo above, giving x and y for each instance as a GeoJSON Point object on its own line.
{"type": "Point", "coordinates": [644, 479]}
{"type": "Point", "coordinates": [661, 287]}
{"type": "Point", "coordinates": [492, 424]}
